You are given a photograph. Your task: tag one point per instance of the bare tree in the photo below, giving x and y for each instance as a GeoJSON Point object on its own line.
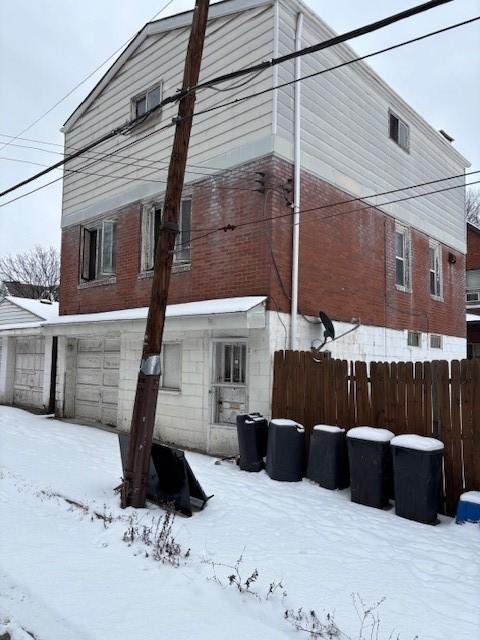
{"type": "Point", "coordinates": [472, 206]}
{"type": "Point", "coordinates": [37, 271]}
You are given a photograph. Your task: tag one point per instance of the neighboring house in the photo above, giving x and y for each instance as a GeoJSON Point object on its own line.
{"type": "Point", "coordinates": [27, 356]}
{"type": "Point", "coordinates": [395, 271]}
{"type": "Point", "coordinates": [472, 293]}
{"type": "Point", "coordinates": [28, 290]}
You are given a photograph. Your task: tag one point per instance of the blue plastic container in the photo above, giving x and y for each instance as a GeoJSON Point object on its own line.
{"type": "Point", "coordinates": [468, 509]}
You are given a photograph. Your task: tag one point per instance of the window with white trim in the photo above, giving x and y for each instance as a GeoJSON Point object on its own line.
{"type": "Point", "coordinates": [170, 377]}
{"type": "Point", "coordinates": [99, 248]}
{"type": "Point", "coordinates": [399, 131]}
{"type": "Point", "coordinates": [414, 339]}
{"type": "Point", "coordinates": [151, 222]}
{"type": "Point", "coordinates": [435, 341]}
{"type": "Point", "coordinates": [402, 258]}
{"type": "Point", "coordinates": [435, 269]}
{"type": "Point", "coordinates": [146, 100]}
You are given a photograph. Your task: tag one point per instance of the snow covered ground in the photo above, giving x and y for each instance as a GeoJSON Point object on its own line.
{"type": "Point", "coordinates": [67, 575]}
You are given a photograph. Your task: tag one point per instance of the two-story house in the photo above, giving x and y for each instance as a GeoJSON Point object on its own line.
{"type": "Point", "coordinates": [388, 267]}
{"type": "Point", "coordinates": [472, 292]}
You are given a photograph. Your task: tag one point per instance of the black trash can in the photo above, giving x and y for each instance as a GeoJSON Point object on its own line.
{"type": "Point", "coordinates": [328, 457]}
{"type": "Point", "coordinates": [370, 462]}
{"type": "Point", "coordinates": [286, 451]}
{"type": "Point", "coordinates": [252, 432]}
{"type": "Point", "coordinates": [417, 474]}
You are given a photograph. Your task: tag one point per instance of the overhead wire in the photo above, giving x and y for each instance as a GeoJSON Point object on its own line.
{"type": "Point", "coordinates": [274, 61]}
{"type": "Point", "coordinates": [79, 84]}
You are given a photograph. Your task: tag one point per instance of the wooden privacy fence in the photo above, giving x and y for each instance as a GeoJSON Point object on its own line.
{"type": "Point", "coordinates": [437, 399]}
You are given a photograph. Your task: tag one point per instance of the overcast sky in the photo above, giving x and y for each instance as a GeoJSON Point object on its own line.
{"type": "Point", "coordinates": [49, 46]}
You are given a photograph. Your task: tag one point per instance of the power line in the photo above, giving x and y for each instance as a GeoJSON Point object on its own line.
{"type": "Point", "coordinates": [358, 199]}
{"type": "Point", "coordinates": [125, 128]}
{"type": "Point", "coordinates": [79, 84]}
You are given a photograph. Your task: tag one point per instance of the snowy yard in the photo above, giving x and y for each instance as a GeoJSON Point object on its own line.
{"type": "Point", "coordinates": [65, 574]}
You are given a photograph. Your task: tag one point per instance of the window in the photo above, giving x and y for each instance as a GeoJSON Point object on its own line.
{"type": "Point", "coordinates": [435, 341]}
{"type": "Point", "coordinates": [146, 101]}
{"type": "Point", "coordinates": [99, 250]}
{"type": "Point", "coordinates": [230, 363]}
{"type": "Point", "coordinates": [399, 131]}
{"type": "Point", "coordinates": [435, 269]}
{"type": "Point", "coordinates": [402, 258]}
{"type": "Point", "coordinates": [171, 366]}
{"type": "Point", "coordinates": [414, 339]}
{"type": "Point", "coordinates": [152, 219]}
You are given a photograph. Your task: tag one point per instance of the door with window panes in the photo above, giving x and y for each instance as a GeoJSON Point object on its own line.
{"type": "Point", "coordinates": [229, 381]}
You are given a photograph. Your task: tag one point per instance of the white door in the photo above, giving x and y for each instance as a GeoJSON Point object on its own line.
{"type": "Point", "coordinates": [96, 384]}
{"type": "Point", "coordinates": [229, 385]}
{"type": "Point", "coordinates": [29, 366]}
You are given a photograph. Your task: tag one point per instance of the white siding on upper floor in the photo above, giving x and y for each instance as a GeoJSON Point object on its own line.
{"type": "Point", "coordinates": [345, 137]}
{"type": "Point", "coordinates": [219, 138]}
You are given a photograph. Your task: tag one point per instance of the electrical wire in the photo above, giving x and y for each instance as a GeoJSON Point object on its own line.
{"type": "Point", "coordinates": [320, 46]}
{"type": "Point", "coordinates": [79, 84]}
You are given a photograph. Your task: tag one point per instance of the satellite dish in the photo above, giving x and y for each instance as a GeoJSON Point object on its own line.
{"type": "Point", "coordinates": [328, 324]}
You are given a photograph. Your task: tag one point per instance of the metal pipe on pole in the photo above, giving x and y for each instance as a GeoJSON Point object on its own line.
{"type": "Point", "coordinates": [134, 485]}
{"type": "Point", "coordinates": [296, 186]}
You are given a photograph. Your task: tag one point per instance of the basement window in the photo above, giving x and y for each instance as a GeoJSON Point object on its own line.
{"type": "Point", "coordinates": [414, 339]}
{"type": "Point", "coordinates": [99, 244]}
{"type": "Point", "coordinates": [399, 131]}
{"type": "Point", "coordinates": [435, 341]}
{"type": "Point", "coordinates": [151, 223]}
{"type": "Point", "coordinates": [146, 101]}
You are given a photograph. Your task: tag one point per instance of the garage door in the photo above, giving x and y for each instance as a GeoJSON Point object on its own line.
{"type": "Point", "coordinates": [96, 385]}
{"type": "Point", "coordinates": [28, 379]}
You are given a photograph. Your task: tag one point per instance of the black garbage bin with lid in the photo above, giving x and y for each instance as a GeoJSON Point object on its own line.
{"type": "Point", "coordinates": [328, 457]}
{"type": "Point", "coordinates": [252, 432]}
{"type": "Point", "coordinates": [417, 476]}
{"type": "Point", "coordinates": [286, 450]}
{"type": "Point", "coordinates": [370, 463]}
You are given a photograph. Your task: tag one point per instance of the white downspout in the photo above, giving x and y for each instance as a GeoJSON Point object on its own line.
{"type": "Point", "coordinates": [296, 187]}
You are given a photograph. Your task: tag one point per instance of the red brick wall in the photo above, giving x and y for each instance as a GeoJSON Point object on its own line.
{"type": "Point", "coordinates": [473, 248]}
{"type": "Point", "coordinates": [346, 257]}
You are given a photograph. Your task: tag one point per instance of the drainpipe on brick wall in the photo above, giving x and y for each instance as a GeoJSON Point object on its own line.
{"type": "Point", "coordinates": [296, 188]}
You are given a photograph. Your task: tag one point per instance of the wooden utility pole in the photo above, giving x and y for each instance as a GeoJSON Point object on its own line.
{"type": "Point", "coordinates": [143, 420]}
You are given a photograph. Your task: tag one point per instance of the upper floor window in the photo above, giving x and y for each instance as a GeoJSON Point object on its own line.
{"type": "Point", "coordinates": [402, 258]}
{"type": "Point", "coordinates": [99, 248]}
{"type": "Point", "coordinates": [435, 269]}
{"type": "Point", "coordinates": [146, 101]}
{"type": "Point", "coordinates": [152, 220]}
{"type": "Point", "coordinates": [399, 131]}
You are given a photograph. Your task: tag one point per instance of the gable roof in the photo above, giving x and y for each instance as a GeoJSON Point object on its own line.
{"type": "Point", "coordinates": [42, 310]}
{"type": "Point", "coordinates": [26, 290]}
{"type": "Point", "coordinates": [177, 21]}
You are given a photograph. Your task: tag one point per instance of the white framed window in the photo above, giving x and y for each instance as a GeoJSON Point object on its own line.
{"type": "Point", "coordinates": [435, 269]}
{"type": "Point", "coordinates": [399, 131]}
{"type": "Point", "coordinates": [414, 339]}
{"type": "Point", "coordinates": [171, 373]}
{"type": "Point", "coordinates": [402, 258]}
{"type": "Point", "coordinates": [151, 222]}
{"type": "Point", "coordinates": [146, 100]}
{"type": "Point", "coordinates": [436, 341]}
{"type": "Point", "coordinates": [99, 248]}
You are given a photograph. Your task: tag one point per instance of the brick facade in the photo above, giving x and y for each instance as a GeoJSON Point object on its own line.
{"type": "Point", "coordinates": [473, 247]}
{"type": "Point", "coordinates": [347, 261]}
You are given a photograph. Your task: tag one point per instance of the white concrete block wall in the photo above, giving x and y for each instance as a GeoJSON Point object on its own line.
{"type": "Point", "coordinates": [366, 343]}
{"type": "Point", "coordinates": [7, 370]}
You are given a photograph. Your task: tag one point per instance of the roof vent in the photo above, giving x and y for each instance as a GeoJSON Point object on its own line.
{"type": "Point", "coordinates": [446, 136]}
{"type": "Point", "coordinates": [45, 301]}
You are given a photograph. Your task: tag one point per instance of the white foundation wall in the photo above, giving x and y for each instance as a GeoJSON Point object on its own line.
{"type": "Point", "coordinates": [367, 343]}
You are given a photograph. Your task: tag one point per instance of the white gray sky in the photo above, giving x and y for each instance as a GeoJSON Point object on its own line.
{"type": "Point", "coordinates": [48, 46]}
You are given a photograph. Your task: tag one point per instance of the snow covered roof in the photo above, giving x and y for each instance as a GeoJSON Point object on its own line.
{"type": "Point", "coordinates": [186, 309]}
{"type": "Point", "coordinates": [471, 317]}
{"type": "Point", "coordinates": [43, 310]}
